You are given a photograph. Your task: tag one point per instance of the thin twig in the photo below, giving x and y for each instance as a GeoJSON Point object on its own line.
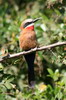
{"type": "Point", "coordinates": [32, 50]}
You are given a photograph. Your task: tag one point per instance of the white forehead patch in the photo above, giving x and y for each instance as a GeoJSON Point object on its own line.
{"type": "Point", "coordinates": [28, 20]}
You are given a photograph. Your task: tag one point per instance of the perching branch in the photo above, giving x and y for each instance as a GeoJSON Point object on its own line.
{"type": "Point", "coordinates": [32, 50]}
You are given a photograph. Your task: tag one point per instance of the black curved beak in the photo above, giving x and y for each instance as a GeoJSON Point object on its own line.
{"type": "Point", "coordinates": [36, 20]}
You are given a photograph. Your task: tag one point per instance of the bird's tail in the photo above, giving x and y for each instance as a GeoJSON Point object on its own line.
{"type": "Point", "coordinates": [30, 61]}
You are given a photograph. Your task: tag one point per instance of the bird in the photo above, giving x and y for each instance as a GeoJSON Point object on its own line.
{"type": "Point", "coordinates": [27, 41]}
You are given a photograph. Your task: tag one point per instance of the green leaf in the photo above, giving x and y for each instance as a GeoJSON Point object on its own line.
{"type": "Point", "coordinates": [2, 97]}
{"type": "Point", "coordinates": [1, 67]}
{"type": "Point", "coordinates": [8, 85]}
{"type": "Point", "coordinates": [50, 72]}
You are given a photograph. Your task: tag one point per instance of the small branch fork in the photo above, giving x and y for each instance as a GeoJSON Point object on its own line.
{"type": "Point", "coordinates": [9, 56]}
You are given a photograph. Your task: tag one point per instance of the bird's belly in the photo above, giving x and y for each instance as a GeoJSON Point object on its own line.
{"type": "Point", "coordinates": [28, 43]}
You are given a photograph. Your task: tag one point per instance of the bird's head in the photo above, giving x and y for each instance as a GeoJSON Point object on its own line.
{"type": "Point", "coordinates": [28, 23]}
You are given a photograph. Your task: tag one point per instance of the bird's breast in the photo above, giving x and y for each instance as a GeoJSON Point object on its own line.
{"type": "Point", "coordinates": [28, 40]}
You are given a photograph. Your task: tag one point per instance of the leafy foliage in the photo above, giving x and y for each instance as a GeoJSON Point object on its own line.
{"type": "Point", "coordinates": [50, 65]}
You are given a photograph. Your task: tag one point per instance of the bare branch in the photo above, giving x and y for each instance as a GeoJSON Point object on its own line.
{"type": "Point", "coordinates": [32, 50]}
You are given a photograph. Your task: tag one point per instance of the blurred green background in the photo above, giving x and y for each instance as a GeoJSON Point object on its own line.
{"type": "Point", "coordinates": [50, 65]}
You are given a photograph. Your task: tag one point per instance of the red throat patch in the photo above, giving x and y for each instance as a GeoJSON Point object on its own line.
{"type": "Point", "coordinates": [30, 27]}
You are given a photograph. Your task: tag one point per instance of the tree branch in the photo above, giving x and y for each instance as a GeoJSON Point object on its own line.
{"type": "Point", "coordinates": [32, 50]}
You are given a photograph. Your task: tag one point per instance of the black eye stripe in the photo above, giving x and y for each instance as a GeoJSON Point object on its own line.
{"type": "Point", "coordinates": [26, 24]}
